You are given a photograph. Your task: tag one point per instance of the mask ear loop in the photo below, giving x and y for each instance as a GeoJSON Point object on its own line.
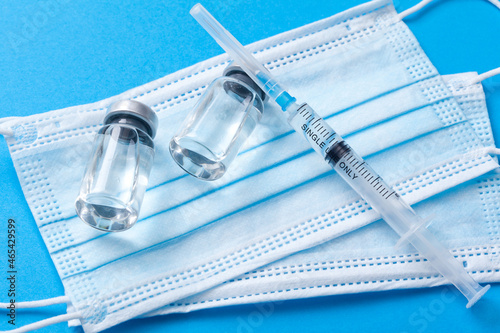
{"type": "Point", "coordinates": [485, 76]}
{"type": "Point", "coordinates": [479, 79]}
{"type": "Point", "coordinates": [38, 304]}
{"type": "Point", "coordinates": [46, 322]}
{"type": "Point", "coordinates": [424, 3]}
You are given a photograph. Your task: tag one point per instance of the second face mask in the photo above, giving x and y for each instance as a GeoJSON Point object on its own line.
{"type": "Point", "coordinates": [366, 260]}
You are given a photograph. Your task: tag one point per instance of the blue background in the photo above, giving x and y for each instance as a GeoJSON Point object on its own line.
{"type": "Point", "coordinates": [60, 53]}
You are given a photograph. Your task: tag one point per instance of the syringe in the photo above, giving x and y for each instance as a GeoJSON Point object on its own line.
{"type": "Point", "coordinates": [350, 166]}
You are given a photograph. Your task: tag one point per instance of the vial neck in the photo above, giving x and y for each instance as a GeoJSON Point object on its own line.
{"type": "Point", "coordinates": [131, 121]}
{"type": "Point", "coordinates": [243, 77]}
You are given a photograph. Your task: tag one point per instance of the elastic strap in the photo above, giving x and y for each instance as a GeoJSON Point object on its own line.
{"type": "Point", "coordinates": [424, 3]}
{"type": "Point", "coordinates": [483, 151]}
{"type": "Point", "coordinates": [45, 322]}
{"type": "Point", "coordinates": [495, 3]}
{"type": "Point", "coordinates": [485, 76]}
{"type": "Point", "coordinates": [38, 304]}
{"type": "Point", "coordinates": [492, 151]}
{"type": "Point", "coordinates": [413, 9]}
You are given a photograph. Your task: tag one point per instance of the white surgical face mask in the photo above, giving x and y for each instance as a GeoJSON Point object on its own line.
{"type": "Point", "coordinates": [366, 260]}
{"type": "Point", "coordinates": [278, 198]}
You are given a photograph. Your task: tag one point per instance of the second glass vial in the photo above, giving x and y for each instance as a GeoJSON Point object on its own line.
{"type": "Point", "coordinates": [219, 124]}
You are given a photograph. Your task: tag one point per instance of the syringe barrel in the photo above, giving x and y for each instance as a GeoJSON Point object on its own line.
{"type": "Point", "coordinates": [381, 197]}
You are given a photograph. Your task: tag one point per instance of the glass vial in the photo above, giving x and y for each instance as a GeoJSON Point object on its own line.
{"type": "Point", "coordinates": [117, 174]}
{"type": "Point", "coordinates": [219, 124]}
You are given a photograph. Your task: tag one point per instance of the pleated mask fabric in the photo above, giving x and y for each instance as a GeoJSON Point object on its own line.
{"type": "Point", "coordinates": [366, 74]}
